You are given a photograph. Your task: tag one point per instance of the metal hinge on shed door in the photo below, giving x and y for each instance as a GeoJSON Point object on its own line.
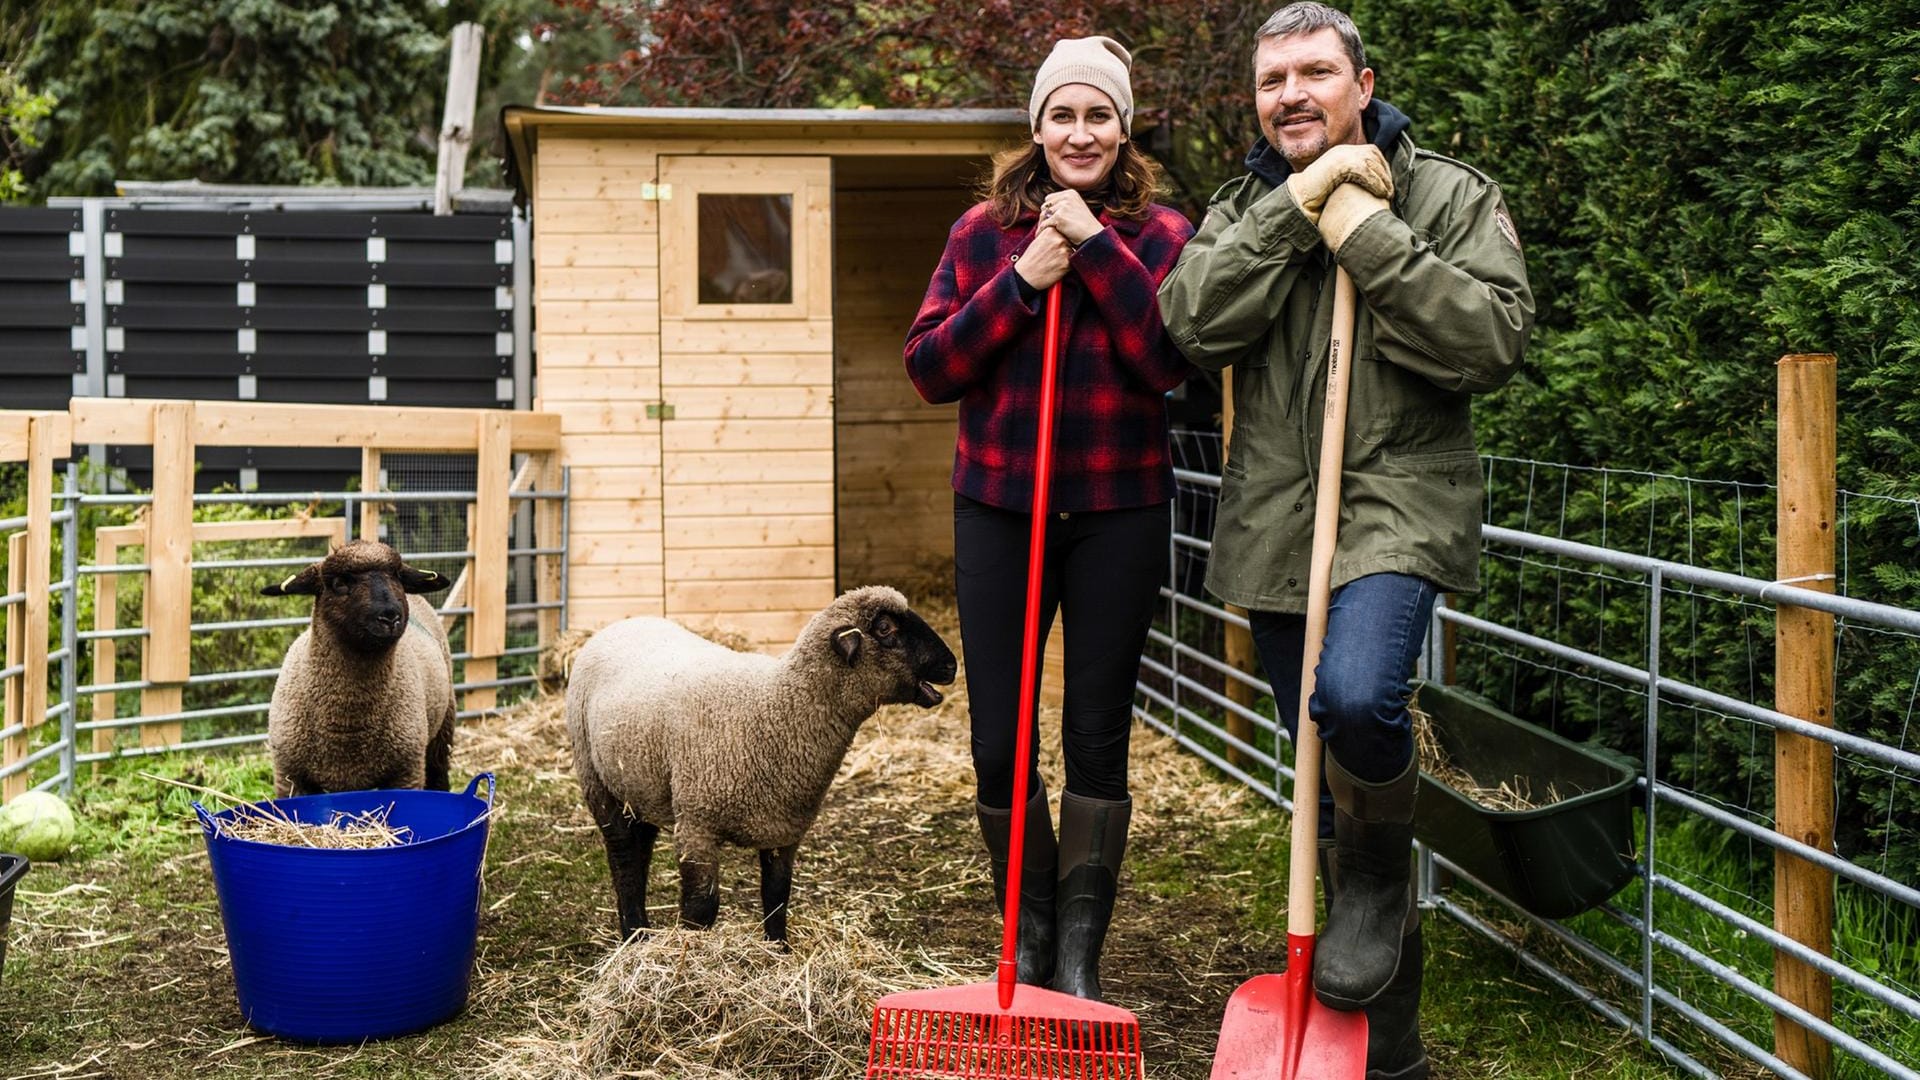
{"type": "Point", "coordinates": [660, 411]}
{"type": "Point", "coordinates": [652, 192]}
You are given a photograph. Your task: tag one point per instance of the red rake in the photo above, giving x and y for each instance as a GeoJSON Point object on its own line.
{"type": "Point", "coordinates": [1002, 1028]}
{"type": "Point", "coordinates": [1275, 1029]}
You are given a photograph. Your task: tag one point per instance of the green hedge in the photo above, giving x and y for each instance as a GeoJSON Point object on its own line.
{"type": "Point", "coordinates": [1702, 187]}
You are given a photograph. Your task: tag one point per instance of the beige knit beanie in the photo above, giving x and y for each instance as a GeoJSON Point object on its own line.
{"type": "Point", "coordinates": [1100, 62]}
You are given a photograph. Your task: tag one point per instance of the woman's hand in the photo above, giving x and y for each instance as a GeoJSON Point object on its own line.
{"type": "Point", "coordinates": [1045, 261]}
{"type": "Point", "coordinates": [1067, 212]}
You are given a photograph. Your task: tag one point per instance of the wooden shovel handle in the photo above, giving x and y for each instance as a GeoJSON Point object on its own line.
{"type": "Point", "coordinates": [1302, 862]}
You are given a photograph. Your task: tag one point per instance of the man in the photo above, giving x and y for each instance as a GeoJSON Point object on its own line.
{"type": "Point", "coordinates": [1444, 314]}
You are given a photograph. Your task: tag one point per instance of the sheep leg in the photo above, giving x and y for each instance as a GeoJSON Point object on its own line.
{"type": "Point", "coordinates": [776, 884]}
{"type": "Point", "coordinates": [699, 881]}
{"type": "Point", "coordinates": [629, 842]}
{"type": "Point", "coordinates": [630, 856]}
{"type": "Point", "coordinates": [440, 755]}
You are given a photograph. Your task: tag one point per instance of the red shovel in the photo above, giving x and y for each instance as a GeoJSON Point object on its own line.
{"type": "Point", "coordinates": [1003, 1028]}
{"type": "Point", "coordinates": [1275, 1029]}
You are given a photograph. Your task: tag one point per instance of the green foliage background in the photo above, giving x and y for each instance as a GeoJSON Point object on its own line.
{"type": "Point", "coordinates": [1702, 186]}
{"type": "Point", "coordinates": [246, 91]}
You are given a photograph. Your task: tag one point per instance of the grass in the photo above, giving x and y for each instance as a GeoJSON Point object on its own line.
{"type": "Point", "coordinates": [117, 962]}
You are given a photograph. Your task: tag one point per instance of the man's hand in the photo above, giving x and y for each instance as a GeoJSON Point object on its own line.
{"type": "Point", "coordinates": [1347, 163]}
{"type": "Point", "coordinates": [1345, 209]}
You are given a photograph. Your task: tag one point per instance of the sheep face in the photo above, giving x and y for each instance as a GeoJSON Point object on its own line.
{"type": "Point", "coordinates": [359, 594]}
{"type": "Point", "coordinates": [899, 645]}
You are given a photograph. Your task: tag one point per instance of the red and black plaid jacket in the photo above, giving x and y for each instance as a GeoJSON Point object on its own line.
{"type": "Point", "coordinates": [978, 338]}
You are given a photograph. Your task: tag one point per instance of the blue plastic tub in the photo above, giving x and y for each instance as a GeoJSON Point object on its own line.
{"type": "Point", "coordinates": [347, 945]}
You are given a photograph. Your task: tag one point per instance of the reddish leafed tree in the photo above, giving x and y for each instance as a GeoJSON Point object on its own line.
{"type": "Point", "coordinates": [1192, 71]}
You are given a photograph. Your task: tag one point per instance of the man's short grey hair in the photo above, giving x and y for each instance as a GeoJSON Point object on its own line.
{"type": "Point", "coordinates": [1305, 17]}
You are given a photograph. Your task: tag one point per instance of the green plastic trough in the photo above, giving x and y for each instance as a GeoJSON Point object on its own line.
{"type": "Point", "coordinates": [1555, 861]}
{"type": "Point", "coordinates": [12, 869]}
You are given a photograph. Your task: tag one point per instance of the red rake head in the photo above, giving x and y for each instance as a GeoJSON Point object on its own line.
{"type": "Point", "coordinates": [962, 1031]}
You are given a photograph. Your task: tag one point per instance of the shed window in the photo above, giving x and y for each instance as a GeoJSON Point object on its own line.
{"type": "Point", "coordinates": [746, 249]}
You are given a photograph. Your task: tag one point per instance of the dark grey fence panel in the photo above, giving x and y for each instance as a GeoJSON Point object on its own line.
{"type": "Point", "coordinates": [42, 308]}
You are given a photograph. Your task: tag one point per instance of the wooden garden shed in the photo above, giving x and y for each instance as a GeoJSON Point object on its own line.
{"type": "Point", "coordinates": [720, 299]}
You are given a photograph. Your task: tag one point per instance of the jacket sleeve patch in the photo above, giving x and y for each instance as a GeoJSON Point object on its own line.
{"type": "Point", "coordinates": [1507, 230]}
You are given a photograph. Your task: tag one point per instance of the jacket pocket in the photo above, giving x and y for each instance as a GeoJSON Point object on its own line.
{"type": "Point", "coordinates": [1441, 461]}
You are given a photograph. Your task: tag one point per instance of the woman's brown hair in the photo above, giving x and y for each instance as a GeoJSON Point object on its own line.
{"type": "Point", "coordinates": [1020, 180]}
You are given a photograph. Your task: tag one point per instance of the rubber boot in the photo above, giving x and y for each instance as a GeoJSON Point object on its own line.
{"type": "Point", "coordinates": [1359, 949]}
{"type": "Point", "coordinates": [1093, 841]}
{"type": "Point", "coordinates": [1394, 1049]}
{"type": "Point", "coordinates": [1033, 951]}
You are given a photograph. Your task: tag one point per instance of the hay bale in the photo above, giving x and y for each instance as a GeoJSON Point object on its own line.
{"type": "Point", "coordinates": [532, 733]}
{"type": "Point", "coordinates": [724, 1004]}
{"type": "Point", "coordinates": [555, 662]}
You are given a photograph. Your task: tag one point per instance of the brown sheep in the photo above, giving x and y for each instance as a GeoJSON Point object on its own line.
{"type": "Point", "coordinates": [365, 697]}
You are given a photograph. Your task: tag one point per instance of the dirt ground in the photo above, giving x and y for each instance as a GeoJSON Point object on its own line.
{"type": "Point", "coordinates": [117, 965]}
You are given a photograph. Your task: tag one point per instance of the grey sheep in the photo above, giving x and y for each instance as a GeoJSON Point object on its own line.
{"type": "Point", "coordinates": [724, 747]}
{"type": "Point", "coordinates": [365, 696]}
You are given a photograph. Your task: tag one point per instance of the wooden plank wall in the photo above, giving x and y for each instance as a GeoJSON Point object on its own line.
{"type": "Point", "coordinates": [797, 459]}
{"type": "Point", "coordinates": [893, 452]}
{"type": "Point", "coordinates": [596, 282]}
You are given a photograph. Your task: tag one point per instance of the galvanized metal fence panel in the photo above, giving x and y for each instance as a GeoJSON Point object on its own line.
{"type": "Point", "coordinates": [1623, 984]}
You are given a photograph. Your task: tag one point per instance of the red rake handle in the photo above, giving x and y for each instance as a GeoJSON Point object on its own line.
{"type": "Point", "coordinates": [1030, 641]}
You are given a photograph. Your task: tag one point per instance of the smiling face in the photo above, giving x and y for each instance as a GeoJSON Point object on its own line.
{"type": "Point", "coordinates": [1309, 94]}
{"type": "Point", "coordinates": [1080, 133]}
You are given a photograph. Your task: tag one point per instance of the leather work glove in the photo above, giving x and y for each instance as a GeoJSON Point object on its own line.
{"type": "Point", "coordinates": [1345, 209]}
{"type": "Point", "coordinates": [1347, 163]}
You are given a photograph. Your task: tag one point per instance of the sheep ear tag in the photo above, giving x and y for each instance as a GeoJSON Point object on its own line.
{"type": "Point", "coordinates": [846, 642]}
{"type": "Point", "coordinates": [421, 581]}
{"type": "Point", "coordinates": [304, 583]}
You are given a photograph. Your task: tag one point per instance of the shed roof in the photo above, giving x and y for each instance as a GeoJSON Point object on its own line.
{"type": "Point", "coordinates": [853, 129]}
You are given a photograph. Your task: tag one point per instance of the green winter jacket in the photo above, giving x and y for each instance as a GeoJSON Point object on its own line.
{"type": "Point", "coordinates": [1444, 314]}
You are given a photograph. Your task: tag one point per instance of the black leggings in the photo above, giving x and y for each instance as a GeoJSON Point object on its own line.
{"type": "Point", "coordinates": [1104, 569]}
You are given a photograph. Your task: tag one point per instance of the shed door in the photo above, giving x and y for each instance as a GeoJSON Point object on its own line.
{"type": "Point", "coordinates": [746, 388]}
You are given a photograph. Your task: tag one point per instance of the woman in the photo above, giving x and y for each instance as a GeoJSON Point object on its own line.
{"type": "Point", "coordinates": [1073, 209]}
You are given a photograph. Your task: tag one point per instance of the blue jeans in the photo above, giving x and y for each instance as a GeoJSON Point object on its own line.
{"type": "Point", "coordinates": [1375, 628]}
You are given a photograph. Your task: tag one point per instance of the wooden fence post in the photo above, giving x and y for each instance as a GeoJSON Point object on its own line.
{"type": "Point", "coordinates": [492, 520]}
{"type": "Point", "coordinates": [35, 557]}
{"type": "Point", "coordinates": [369, 487]}
{"type": "Point", "coordinates": [1803, 687]}
{"type": "Point", "coordinates": [168, 655]}
{"type": "Point", "coordinates": [546, 535]}
{"type": "Point", "coordinates": [12, 708]}
{"type": "Point", "coordinates": [1241, 655]}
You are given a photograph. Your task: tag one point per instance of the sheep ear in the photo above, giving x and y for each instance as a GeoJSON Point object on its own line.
{"type": "Point", "coordinates": [421, 581]}
{"type": "Point", "coordinates": [304, 583]}
{"type": "Point", "coordinates": [847, 641]}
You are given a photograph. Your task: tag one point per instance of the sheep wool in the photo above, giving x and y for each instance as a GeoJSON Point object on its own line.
{"type": "Point", "coordinates": [729, 748]}
{"type": "Point", "coordinates": [364, 699]}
